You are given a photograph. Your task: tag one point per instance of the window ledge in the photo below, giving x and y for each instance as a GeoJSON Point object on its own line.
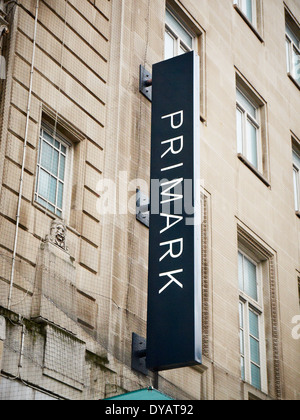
{"type": "Point", "coordinates": [254, 393]}
{"type": "Point", "coordinates": [293, 80]}
{"type": "Point", "coordinates": [253, 169]}
{"type": "Point", "coordinates": [47, 212]}
{"type": "Point", "coordinates": [253, 29]}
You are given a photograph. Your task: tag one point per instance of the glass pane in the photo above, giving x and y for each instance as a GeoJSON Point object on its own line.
{"type": "Point", "coordinates": [51, 208]}
{"type": "Point", "coordinates": [247, 9]}
{"type": "Point", "coordinates": [252, 144]}
{"type": "Point", "coordinates": [288, 64]}
{"type": "Point", "coordinates": [241, 308]}
{"type": "Point", "coordinates": [241, 272]}
{"type": "Point", "coordinates": [63, 149]}
{"type": "Point", "coordinates": [42, 202]}
{"type": "Point", "coordinates": [60, 195]}
{"type": "Point", "coordinates": [39, 151]}
{"type": "Point", "coordinates": [296, 189]}
{"type": "Point", "coordinates": [179, 30]}
{"type": "Point", "coordinates": [253, 324]}
{"type": "Point", "coordinates": [243, 368]}
{"type": "Point", "coordinates": [37, 179]}
{"type": "Point", "coordinates": [62, 167]}
{"type": "Point", "coordinates": [245, 103]}
{"type": "Point", "coordinates": [49, 159]}
{"type": "Point", "coordinates": [239, 129]}
{"type": "Point", "coordinates": [255, 376]}
{"type": "Point", "coordinates": [296, 160]}
{"type": "Point", "coordinates": [250, 280]}
{"type": "Point", "coordinates": [44, 180]}
{"type": "Point", "coordinates": [254, 351]}
{"type": "Point", "coordinates": [296, 65]}
{"type": "Point", "coordinates": [169, 46]}
{"type": "Point", "coordinates": [47, 186]}
{"type": "Point", "coordinates": [52, 190]}
{"type": "Point", "coordinates": [242, 347]}
{"type": "Point", "coordinates": [291, 34]}
{"type": "Point", "coordinates": [48, 137]}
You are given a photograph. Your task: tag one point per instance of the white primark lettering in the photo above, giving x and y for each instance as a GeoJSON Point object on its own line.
{"type": "Point", "coordinates": [170, 225]}
{"type": "Point", "coordinates": [172, 185]}
{"type": "Point", "coordinates": [172, 191]}
{"type": "Point", "coordinates": [172, 167]}
{"type": "Point", "coordinates": [172, 279]}
{"type": "Point", "coordinates": [172, 117]}
{"type": "Point", "coordinates": [171, 148]}
{"type": "Point", "coordinates": [171, 250]}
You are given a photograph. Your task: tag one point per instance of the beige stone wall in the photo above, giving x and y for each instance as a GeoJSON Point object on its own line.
{"type": "Point", "coordinates": [86, 78]}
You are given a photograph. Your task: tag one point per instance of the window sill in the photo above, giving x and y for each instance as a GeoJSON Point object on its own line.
{"type": "Point", "coordinates": [244, 17]}
{"type": "Point", "coordinates": [252, 393]}
{"type": "Point", "coordinates": [254, 170]}
{"type": "Point", "coordinates": [293, 80]}
{"type": "Point", "coordinates": [47, 212]}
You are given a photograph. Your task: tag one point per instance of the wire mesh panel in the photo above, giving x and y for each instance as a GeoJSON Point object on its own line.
{"type": "Point", "coordinates": [75, 148]}
{"type": "Point", "coordinates": [57, 302]}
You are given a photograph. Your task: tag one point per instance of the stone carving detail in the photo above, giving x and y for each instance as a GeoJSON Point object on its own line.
{"type": "Point", "coordinates": [58, 233]}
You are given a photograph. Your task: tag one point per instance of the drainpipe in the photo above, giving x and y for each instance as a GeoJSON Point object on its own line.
{"type": "Point", "coordinates": [23, 161]}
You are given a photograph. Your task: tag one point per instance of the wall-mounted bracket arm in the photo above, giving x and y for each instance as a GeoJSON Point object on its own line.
{"type": "Point", "coordinates": [142, 208]}
{"type": "Point", "coordinates": [146, 83]}
{"type": "Point", "coordinates": [138, 354]}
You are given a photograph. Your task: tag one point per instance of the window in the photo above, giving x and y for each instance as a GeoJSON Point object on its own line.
{"type": "Point", "coordinates": [248, 129]}
{"type": "Point", "coordinates": [251, 12]}
{"type": "Point", "coordinates": [178, 38]}
{"type": "Point", "coordinates": [292, 35]}
{"type": "Point", "coordinates": [296, 179]}
{"type": "Point", "coordinates": [52, 171]}
{"type": "Point", "coordinates": [251, 321]}
{"type": "Point", "coordinates": [252, 129]}
{"type": "Point", "coordinates": [248, 7]}
{"type": "Point", "coordinates": [183, 34]}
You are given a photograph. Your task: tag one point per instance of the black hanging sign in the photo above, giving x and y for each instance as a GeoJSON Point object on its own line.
{"type": "Point", "coordinates": [174, 336]}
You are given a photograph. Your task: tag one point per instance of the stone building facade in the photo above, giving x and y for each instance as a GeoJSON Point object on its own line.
{"type": "Point", "coordinates": [75, 136]}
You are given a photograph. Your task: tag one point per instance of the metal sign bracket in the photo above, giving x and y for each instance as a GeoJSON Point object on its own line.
{"type": "Point", "coordinates": [138, 354]}
{"type": "Point", "coordinates": [142, 208]}
{"type": "Point", "coordinates": [146, 83]}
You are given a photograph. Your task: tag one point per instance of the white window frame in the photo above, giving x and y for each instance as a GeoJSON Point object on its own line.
{"type": "Point", "coordinates": [291, 46]}
{"type": "Point", "coordinates": [179, 42]}
{"type": "Point", "coordinates": [242, 6]}
{"type": "Point", "coordinates": [66, 198]}
{"type": "Point", "coordinates": [250, 304]}
{"type": "Point", "coordinates": [296, 179]}
{"type": "Point", "coordinates": [255, 121]}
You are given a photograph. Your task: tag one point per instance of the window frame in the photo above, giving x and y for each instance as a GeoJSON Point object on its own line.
{"type": "Point", "coordinates": [66, 196]}
{"type": "Point", "coordinates": [241, 4]}
{"type": "Point", "coordinates": [198, 33]}
{"type": "Point", "coordinates": [171, 31]}
{"type": "Point", "coordinates": [296, 180]}
{"type": "Point", "coordinates": [290, 26]}
{"type": "Point", "coordinates": [248, 304]}
{"type": "Point", "coordinates": [256, 122]}
{"type": "Point", "coordinates": [256, 24]}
